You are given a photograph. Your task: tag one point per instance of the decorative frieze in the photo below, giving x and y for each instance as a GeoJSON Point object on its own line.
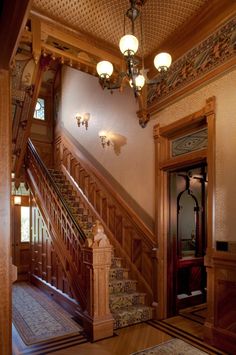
{"type": "Point", "coordinates": [196, 66]}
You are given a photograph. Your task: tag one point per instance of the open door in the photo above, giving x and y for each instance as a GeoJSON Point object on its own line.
{"type": "Point", "coordinates": [187, 238]}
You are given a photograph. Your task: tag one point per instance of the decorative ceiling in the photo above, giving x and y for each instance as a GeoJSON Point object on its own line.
{"type": "Point", "coordinates": [104, 19]}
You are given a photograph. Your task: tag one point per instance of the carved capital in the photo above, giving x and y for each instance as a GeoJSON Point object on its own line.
{"type": "Point", "coordinates": [144, 117]}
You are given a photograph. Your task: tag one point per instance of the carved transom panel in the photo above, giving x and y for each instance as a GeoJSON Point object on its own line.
{"type": "Point", "coordinates": [189, 143]}
{"type": "Point", "coordinates": [104, 18]}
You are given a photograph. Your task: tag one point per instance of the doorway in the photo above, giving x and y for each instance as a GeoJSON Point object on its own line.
{"type": "Point", "coordinates": [180, 146]}
{"type": "Point", "coordinates": [186, 246]}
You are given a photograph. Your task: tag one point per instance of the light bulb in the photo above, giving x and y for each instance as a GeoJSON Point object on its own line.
{"type": "Point", "coordinates": [104, 69]}
{"type": "Point", "coordinates": [139, 82]}
{"type": "Point", "coordinates": [17, 200]}
{"type": "Point", "coordinates": [128, 45]}
{"type": "Point", "coordinates": [162, 61]}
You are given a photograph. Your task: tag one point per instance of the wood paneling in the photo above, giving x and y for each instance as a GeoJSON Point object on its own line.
{"type": "Point", "coordinates": [220, 327]}
{"type": "Point", "coordinates": [5, 215]}
{"type": "Point", "coordinates": [12, 21]}
{"type": "Point", "coordinates": [45, 263]}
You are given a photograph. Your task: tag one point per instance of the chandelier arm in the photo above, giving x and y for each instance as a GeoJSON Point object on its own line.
{"type": "Point", "coordinates": [109, 85]}
{"type": "Point", "coordinates": [157, 80]}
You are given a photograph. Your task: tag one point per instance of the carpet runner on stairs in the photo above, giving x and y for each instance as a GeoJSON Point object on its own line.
{"type": "Point", "coordinates": [127, 305]}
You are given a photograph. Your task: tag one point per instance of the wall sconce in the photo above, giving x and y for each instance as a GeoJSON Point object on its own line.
{"type": "Point", "coordinates": [105, 141]}
{"type": "Point", "coordinates": [17, 200]}
{"type": "Point", "coordinates": [83, 119]}
{"type": "Point", "coordinates": [16, 191]}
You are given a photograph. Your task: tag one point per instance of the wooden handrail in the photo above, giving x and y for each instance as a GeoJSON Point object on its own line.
{"type": "Point", "coordinates": [45, 171]}
{"type": "Point", "coordinates": [128, 234]}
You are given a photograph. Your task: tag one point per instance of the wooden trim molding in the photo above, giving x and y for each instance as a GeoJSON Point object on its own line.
{"type": "Point", "coordinates": [210, 58]}
{"type": "Point", "coordinates": [5, 214]}
{"type": "Point", "coordinates": [164, 163]}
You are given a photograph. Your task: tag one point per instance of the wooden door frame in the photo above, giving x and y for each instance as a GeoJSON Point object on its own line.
{"type": "Point", "coordinates": [204, 118]}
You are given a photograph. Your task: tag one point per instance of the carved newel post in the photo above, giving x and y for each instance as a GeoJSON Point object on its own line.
{"type": "Point", "coordinates": [98, 321]}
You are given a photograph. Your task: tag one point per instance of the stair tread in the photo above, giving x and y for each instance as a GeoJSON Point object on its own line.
{"type": "Point", "coordinates": [128, 293]}
{"type": "Point", "coordinates": [119, 268]}
{"type": "Point", "coordinates": [122, 280]}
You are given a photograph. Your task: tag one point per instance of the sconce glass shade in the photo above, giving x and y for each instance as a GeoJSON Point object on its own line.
{"type": "Point", "coordinates": [104, 69]}
{"type": "Point", "coordinates": [162, 61]}
{"type": "Point", "coordinates": [139, 82]}
{"type": "Point", "coordinates": [86, 116]}
{"type": "Point", "coordinates": [17, 200]}
{"type": "Point", "coordinates": [128, 45]}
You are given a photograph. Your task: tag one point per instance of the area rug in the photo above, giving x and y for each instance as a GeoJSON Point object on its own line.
{"type": "Point", "coordinates": [173, 347]}
{"type": "Point", "coordinates": [197, 313]}
{"type": "Point", "coordinates": [39, 319]}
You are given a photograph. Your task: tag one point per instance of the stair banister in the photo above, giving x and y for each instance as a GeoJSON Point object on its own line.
{"type": "Point", "coordinates": [116, 215]}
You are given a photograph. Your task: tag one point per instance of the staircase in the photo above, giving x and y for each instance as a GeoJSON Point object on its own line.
{"type": "Point", "coordinates": [127, 305]}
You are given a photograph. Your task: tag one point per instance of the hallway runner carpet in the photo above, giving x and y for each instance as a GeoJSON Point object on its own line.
{"type": "Point", "coordinates": [39, 319]}
{"type": "Point", "coordinates": [171, 347]}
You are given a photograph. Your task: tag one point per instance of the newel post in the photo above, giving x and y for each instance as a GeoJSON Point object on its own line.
{"type": "Point", "coordinates": [97, 253]}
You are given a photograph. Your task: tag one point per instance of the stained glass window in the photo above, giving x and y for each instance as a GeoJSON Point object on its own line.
{"type": "Point", "coordinates": [39, 113]}
{"type": "Point", "coordinates": [25, 224]}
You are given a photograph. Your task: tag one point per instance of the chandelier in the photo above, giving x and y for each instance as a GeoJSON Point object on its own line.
{"type": "Point", "coordinates": [129, 44]}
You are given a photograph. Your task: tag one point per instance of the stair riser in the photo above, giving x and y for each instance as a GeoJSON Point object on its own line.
{"type": "Point", "coordinates": [126, 300]}
{"type": "Point", "coordinates": [133, 317]}
{"type": "Point", "coordinates": [116, 262]}
{"type": "Point", "coordinates": [122, 286]}
{"type": "Point", "coordinates": [118, 274]}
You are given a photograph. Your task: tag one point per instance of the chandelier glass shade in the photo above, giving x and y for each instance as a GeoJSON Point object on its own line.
{"type": "Point", "coordinates": [162, 61]}
{"type": "Point", "coordinates": [128, 45]}
{"type": "Point", "coordinates": [139, 82]}
{"type": "Point", "coordinates": [104, 69]}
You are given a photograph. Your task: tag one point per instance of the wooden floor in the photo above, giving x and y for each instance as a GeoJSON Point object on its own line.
{"type": "Point", "coordinates": [124, 342]}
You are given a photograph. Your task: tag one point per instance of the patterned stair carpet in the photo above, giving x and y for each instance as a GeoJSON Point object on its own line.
{"type": "Point", "coordinates": [172, 347]}
{"type": "Point", "coordinates": [126, 304]}
{"type": "Point", "coordinates": [39, 319]}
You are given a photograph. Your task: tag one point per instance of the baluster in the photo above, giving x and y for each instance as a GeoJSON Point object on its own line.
{"type": "Point", "coordinates": [104, 209]}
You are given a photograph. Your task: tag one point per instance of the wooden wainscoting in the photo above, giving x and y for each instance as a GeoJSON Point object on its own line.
{"type": "Point", "coordinates": [220, 328]}
{"type": "Point", "coordinates": [45, 264]}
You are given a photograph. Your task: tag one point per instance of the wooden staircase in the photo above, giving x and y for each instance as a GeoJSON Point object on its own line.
{"type": "Point", "coordinates": [127, 305]}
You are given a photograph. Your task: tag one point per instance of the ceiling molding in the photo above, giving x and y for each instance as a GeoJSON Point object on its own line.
{"type": "Point", "coordinates": [210, 17]}
{"type": "Point", "coordinates": [70, 32]}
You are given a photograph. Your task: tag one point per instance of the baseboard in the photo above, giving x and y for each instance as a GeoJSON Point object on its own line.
{"type": "Point", "coordinates": [69, 304]}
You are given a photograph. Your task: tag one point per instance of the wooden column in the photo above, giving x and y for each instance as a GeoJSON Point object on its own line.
{"type": "Point", "coordinates": [98, 321]}
{"type": "Point", "coordinates": [5, 213]}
